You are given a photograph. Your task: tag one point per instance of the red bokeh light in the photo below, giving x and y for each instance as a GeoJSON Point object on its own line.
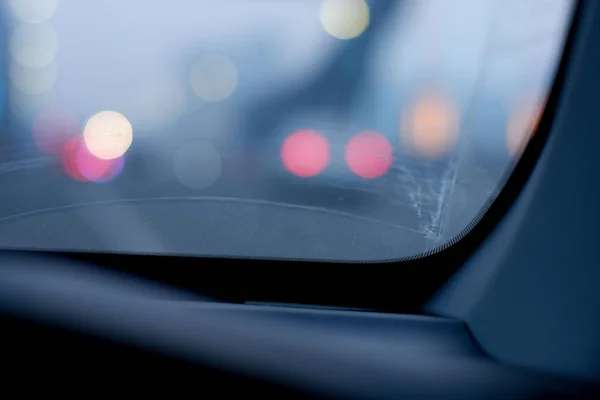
{"type": "Point", "coordinates": [52, 129]}
{"type": "Point", "coordinates": [369, 155]}
{"type": "Point", "coordinates": [305, 153]}
{"type": "Point", "coordinates": [90, 166]}
{"type": "Point", "coordinates": [69, 158]}
{"type": "Point", "coordinates": [83, 166]}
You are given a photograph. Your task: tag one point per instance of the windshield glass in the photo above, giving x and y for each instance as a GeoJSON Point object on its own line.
{"type": "Point", "coordinates": [318, 129]}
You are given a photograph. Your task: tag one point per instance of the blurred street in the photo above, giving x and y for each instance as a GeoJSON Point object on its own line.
{"type": "Point", "coordinates": [148, 210]}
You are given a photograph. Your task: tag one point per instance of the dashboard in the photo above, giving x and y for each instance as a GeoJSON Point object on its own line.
{"type": "Point", "coordinates": [105, 329]}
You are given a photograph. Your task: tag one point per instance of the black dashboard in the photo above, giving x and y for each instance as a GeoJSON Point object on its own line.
{"type": "Point", "coordinates": [80, 323]}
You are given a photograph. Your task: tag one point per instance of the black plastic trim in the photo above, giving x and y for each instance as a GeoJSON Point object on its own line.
{"type": "Point", "coordinates": [98, 329]}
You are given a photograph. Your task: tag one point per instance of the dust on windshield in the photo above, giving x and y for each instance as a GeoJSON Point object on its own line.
{"type": "Point", "coordinates": [316, 129]}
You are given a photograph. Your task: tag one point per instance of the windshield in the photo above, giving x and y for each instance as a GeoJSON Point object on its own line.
{"type": "Point", "coordinates": [315, 129]}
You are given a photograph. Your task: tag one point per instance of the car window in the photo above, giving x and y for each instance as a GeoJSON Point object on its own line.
{"type": "Point", "coordinates": [336, 129]}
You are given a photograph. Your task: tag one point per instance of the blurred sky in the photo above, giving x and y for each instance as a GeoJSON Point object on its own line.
{"type": "Point", "coordinates": [111, 50]}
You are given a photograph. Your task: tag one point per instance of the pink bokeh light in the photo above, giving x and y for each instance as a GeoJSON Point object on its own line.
{"type": "Point", "coordinates": [83, 166]}
{"type": "Point", "coordinates": [305, 153]}
{"type": "Point", "coordinates": [369, 155]}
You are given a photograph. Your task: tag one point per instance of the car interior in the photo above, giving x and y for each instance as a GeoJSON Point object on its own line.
{"type": "Point", "coordinates": [510, 308]}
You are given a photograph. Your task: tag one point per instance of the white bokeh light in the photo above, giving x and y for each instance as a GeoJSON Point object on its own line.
{"type": "Point", "coordinates": [345, 19]}
{"type": "Point", "coordinates": [33, 11]}
{"type": "Point", "coordinates": [34, 45]}
{"type": "Point", "coordinates": [108, 135]}
{"type": "Point", "coordinates": [214, 77]}
{"type": "Point", "coordinates": [198, 165]}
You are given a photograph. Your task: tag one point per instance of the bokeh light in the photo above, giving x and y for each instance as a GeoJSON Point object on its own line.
{"type": "Point", "coordinates": [345, 19]}
{"type": "Point", "coordinates": [198, 165]}
{"type": "Point", "coordinates": [108, 135]}
{"type": "Point", "coordinates": [522, 124]}
{"type": "Point", "coordinates": [83, 166]}
{"type": "Point", "coordinates": [114, 170]}
{"type": "Point", "coordinates": [33, 11]}
{"type": "Point", "coordinates": [52, 129]}
{"type": "Point", "coordinates": [89, 166]}
{"type": "Point", "coordinates": [214, 77]}
{"type": "Point", "coordinates": [69, 159]}
{"type": "Point", "coordinates": [34, 45]}
{"type": "Point", "coordinates": [33, 81]}
{"type": "Point", "coordinates": [369, 155]}
{"type": "Point", "coordinates": [431, 126]}
{"type": "Point", "coordinates": [305, 153]}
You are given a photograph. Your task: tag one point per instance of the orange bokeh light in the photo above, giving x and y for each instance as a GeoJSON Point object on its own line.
{"type": "Point", "coordinates": [522, 124]}
{"type": "Point", "coordinates": [431, 126]}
